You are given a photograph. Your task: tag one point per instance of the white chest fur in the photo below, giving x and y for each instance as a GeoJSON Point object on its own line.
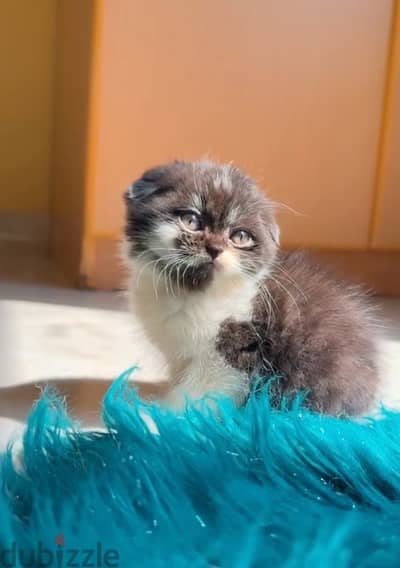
{"type": "Point", "coordinates": [184, 326]}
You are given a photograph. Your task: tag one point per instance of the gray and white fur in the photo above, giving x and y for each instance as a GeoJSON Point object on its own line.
{"type": "Point", "coordinates": [224, 305]}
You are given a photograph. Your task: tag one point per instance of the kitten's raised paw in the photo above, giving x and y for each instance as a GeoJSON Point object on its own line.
{"type": "Point", "coordinates": [238, 342]}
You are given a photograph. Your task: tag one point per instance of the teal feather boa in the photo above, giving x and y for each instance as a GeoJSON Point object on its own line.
{"type": "Point", "coordinates": [233, 488]}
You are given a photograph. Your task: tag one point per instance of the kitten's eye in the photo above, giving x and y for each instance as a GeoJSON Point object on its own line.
{"type": "Point", "coordinates": [190, 221]}
{"type": "Point", "coordinates": [242, 238]}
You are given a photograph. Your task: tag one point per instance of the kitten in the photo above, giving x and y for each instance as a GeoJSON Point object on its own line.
{"type": "Point", "coordinates": [225, 306]}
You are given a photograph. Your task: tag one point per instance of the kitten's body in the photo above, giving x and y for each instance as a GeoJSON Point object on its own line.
{"type": "Point", "coordinates": [315, 332]}
{"type": "Point", "coordinates": [223, 313]}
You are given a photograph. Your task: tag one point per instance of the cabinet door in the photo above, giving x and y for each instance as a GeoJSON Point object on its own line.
{"type": "Point", "coordinates": [292, 91]}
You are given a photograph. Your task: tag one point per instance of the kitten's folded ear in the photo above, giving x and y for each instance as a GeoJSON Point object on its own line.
{"type": "Point", "coordinates": [150, 183]}
{"type": "Point", "coordinates": [140, 189]}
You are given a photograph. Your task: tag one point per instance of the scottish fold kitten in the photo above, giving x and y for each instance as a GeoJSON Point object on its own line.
{"type": "Point", "coordinates": [225, 306]}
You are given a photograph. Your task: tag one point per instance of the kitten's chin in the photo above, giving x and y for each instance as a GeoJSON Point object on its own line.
{"type": "Point", "coordinates": [207, 276]}
{"type": "Point", "coordinates": [198, 278]}
{"type": "Point", "coordinates": [151, 272]}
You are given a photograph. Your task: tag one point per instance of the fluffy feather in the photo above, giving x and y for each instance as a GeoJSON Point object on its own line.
{"type": "Point", "coordinates": [238, 487]}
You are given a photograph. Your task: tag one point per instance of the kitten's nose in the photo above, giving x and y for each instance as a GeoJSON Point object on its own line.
{"type": "Point", "coordinates": [214, 250]}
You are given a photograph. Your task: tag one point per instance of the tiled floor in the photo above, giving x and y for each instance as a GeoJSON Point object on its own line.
{"type": "Point", "coordinates": [57, 333]}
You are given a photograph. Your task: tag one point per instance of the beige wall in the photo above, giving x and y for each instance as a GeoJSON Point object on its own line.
{"type": "Point", "coordinates": [292, 91]}
{"type": "Point", "coordinates": [27, 35]}
{"type": "Point", "coordinates": [295, 92]}
{"type": "Point", "coordinates": [304, 95]}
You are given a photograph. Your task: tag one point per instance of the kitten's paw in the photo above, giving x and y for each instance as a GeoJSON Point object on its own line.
{"type": "Point", "coordinates": [238, 342]}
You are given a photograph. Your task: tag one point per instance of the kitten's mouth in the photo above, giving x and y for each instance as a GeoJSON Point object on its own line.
{"type": "Point", "coordinates": [190, 276]}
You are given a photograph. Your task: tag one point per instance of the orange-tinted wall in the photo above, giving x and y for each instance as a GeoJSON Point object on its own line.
{"type": "Point", "coordinates": [292, 91]}
{"type": "Point", "coordinates": [295, 92]}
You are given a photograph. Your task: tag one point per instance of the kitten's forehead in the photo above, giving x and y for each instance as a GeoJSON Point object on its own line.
{"type": "Point", "coordinates": [220, 177]}
{"type": "Point", "coordinates": [212, 176]}
{"type": "Point", "coordinates": [222, 193]}
{"type": "Point", "coordinates": [222, 190]}
{"type": "Point", "coordinates": [228, 195]}
{"type": "Point", "coordinates": [223, 179]}
{"type": "Point", "coordinates": [204, 177]}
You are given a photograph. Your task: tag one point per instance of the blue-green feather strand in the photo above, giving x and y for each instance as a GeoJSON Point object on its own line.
{"type": "Point", "coordinates": [211, 485]}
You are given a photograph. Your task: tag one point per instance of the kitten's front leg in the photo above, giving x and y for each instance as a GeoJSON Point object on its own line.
{"type": "Point", "coordinates": [241, 346]}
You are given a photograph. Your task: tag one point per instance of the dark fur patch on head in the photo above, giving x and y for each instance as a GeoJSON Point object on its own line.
{"type": "Point", "coordinates": [223, 197]}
